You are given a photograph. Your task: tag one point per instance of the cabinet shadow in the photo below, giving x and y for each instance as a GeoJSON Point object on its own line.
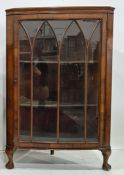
{"type": "Point", "coordinates": [61, 160]}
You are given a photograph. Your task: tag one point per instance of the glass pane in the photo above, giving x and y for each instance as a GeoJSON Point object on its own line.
{"type": "Point", "coordinates": [25, 85]}
{"type": "Point", "coordinates": [87, 26]}
{"type": "Point", "coordinates": [23, 41]}
{"type": "Point", "coordinates": [25, 113]}
{"type": "Point", "coordinates": [25, 57]}
{"type": "Point", "coordinates": [45, 83]}
{"type": "Point", "coordinates": [92, 124]}
{"type": "Point", "coordinates": [59, 28]}
{"type": "Point", "coordinates": [25, 100]}
{"type": "Point", "coordinates": [45, 101]}
{"type": "Point", "coordinates": [93, 84]}
{"type": "Point", "coordinates": [42, 87]}
{"type": "Point", "coordinates": [32, 27]}
{"type": "Point", "coordinates": [46, 46]}
{"type": "Point", "coordinates": [72, 84]}
{"type": "Point", "coordinates": [73, 45]}
{"type": "Point", "coordinates": [71, 124]}
{"type": "Point", "coordinates": [44, 123]}
{"type": "Point", "coordinates": [94, 45]}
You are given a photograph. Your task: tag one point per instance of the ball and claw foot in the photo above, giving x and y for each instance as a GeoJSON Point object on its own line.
{"type": "Point", "coordinates": [106, 167]}
{"type": "Point", "coordinates": [10, 165]}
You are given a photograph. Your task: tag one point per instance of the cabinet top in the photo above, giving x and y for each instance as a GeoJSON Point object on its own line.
{"type": "Point", "coordinates": [57, 10]}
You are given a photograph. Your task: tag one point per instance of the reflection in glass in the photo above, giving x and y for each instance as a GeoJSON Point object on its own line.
{"type": "Point", "coordinates": [73, 44]}
{"type": "Point", "coordinates": [71, 124]}
{"type": "Point", "coordinates": [45, 83]}
{"type": "Point", "coordinates": [23, 40]}
{"type": "Point", "coordinates": [45, 47]}
{"type": "Point", "coordinates": [92, 124]}
{"type": "Point", "coordinates": [25, 82]}
{"type": "Point", "coordinates": [72, 84]}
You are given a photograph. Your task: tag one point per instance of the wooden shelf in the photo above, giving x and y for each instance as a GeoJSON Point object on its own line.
{"type": "Point", "coordinates": [61, 62]}
{"type": "Point", "coordinates": [39, 105]}
{"type": "Point", "coordinates": [26, 61]}
{"type": "Point", "coordinates": [55, 105]}
{"type": "Point", "coordinates": [76, 62]}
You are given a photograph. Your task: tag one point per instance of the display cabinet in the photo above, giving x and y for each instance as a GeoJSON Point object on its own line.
{"type": "Point", "coordinates": [59, 79]}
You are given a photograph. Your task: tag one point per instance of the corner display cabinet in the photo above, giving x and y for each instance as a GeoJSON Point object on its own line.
{"type": "Point", "coordinates": [59, 64]}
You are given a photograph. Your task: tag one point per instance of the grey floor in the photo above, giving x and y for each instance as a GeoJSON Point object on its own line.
{"type": "Point", "coordinates": [62, 162]}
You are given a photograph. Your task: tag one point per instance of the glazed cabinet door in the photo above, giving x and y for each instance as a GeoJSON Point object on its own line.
{"type": "Point", "coordinates": [59, 80]}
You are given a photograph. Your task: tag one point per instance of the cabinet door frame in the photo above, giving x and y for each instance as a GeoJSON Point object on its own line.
{"type": "Point", "coordinates": [102, 90]}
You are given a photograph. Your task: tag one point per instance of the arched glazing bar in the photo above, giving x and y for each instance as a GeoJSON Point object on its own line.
{"type": "Point", "coordinates": [72, 84]}
{"type": "Point", "coordinates": [74, 28]}
{"type": "Point", "coordinates": [45, 32]}
{"type": "Point", "coordinates": [34, 40]}
{"type": "Point", "coordinates": [58, 110]}
{"type": "Point", "coordinates": [73, 63]}
{"type": "Point", "coordinates": [91, 81]}
{"type": "Point", "coordinates": [24, 122]}
{"type": "Point", "coordinates": [31, 28]}
{"type": "Point", "coordinates": [29, 67]}
{"type": "Point", "coordinates": [24, 32]}
{"type": "Point", "coordinates": [94, 30]}
{"type": "Point", "coordinates": [45, 81]}
{"type": "Point", "coordinates": [59, 27]}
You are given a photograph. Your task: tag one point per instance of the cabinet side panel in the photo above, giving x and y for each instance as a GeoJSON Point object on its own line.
{"type": "Point", "coordinates": [108, 79]}
{"type": "Point", "coordinates": [9, 81]}
{"type": "Point", "coordinates": [102, 80]}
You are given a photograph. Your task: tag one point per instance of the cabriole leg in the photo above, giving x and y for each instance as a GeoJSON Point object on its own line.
{"type": "Point", "coordinates": [10, 152]}
{"type": "Point", "coordinates": [106, 154]}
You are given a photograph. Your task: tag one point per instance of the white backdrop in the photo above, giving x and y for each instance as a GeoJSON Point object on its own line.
{"type": "Point", "coordinates": [117, 127]}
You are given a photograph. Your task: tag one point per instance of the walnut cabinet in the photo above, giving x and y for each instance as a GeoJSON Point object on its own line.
{"type": "Point", "coordinates": [59, 64]}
